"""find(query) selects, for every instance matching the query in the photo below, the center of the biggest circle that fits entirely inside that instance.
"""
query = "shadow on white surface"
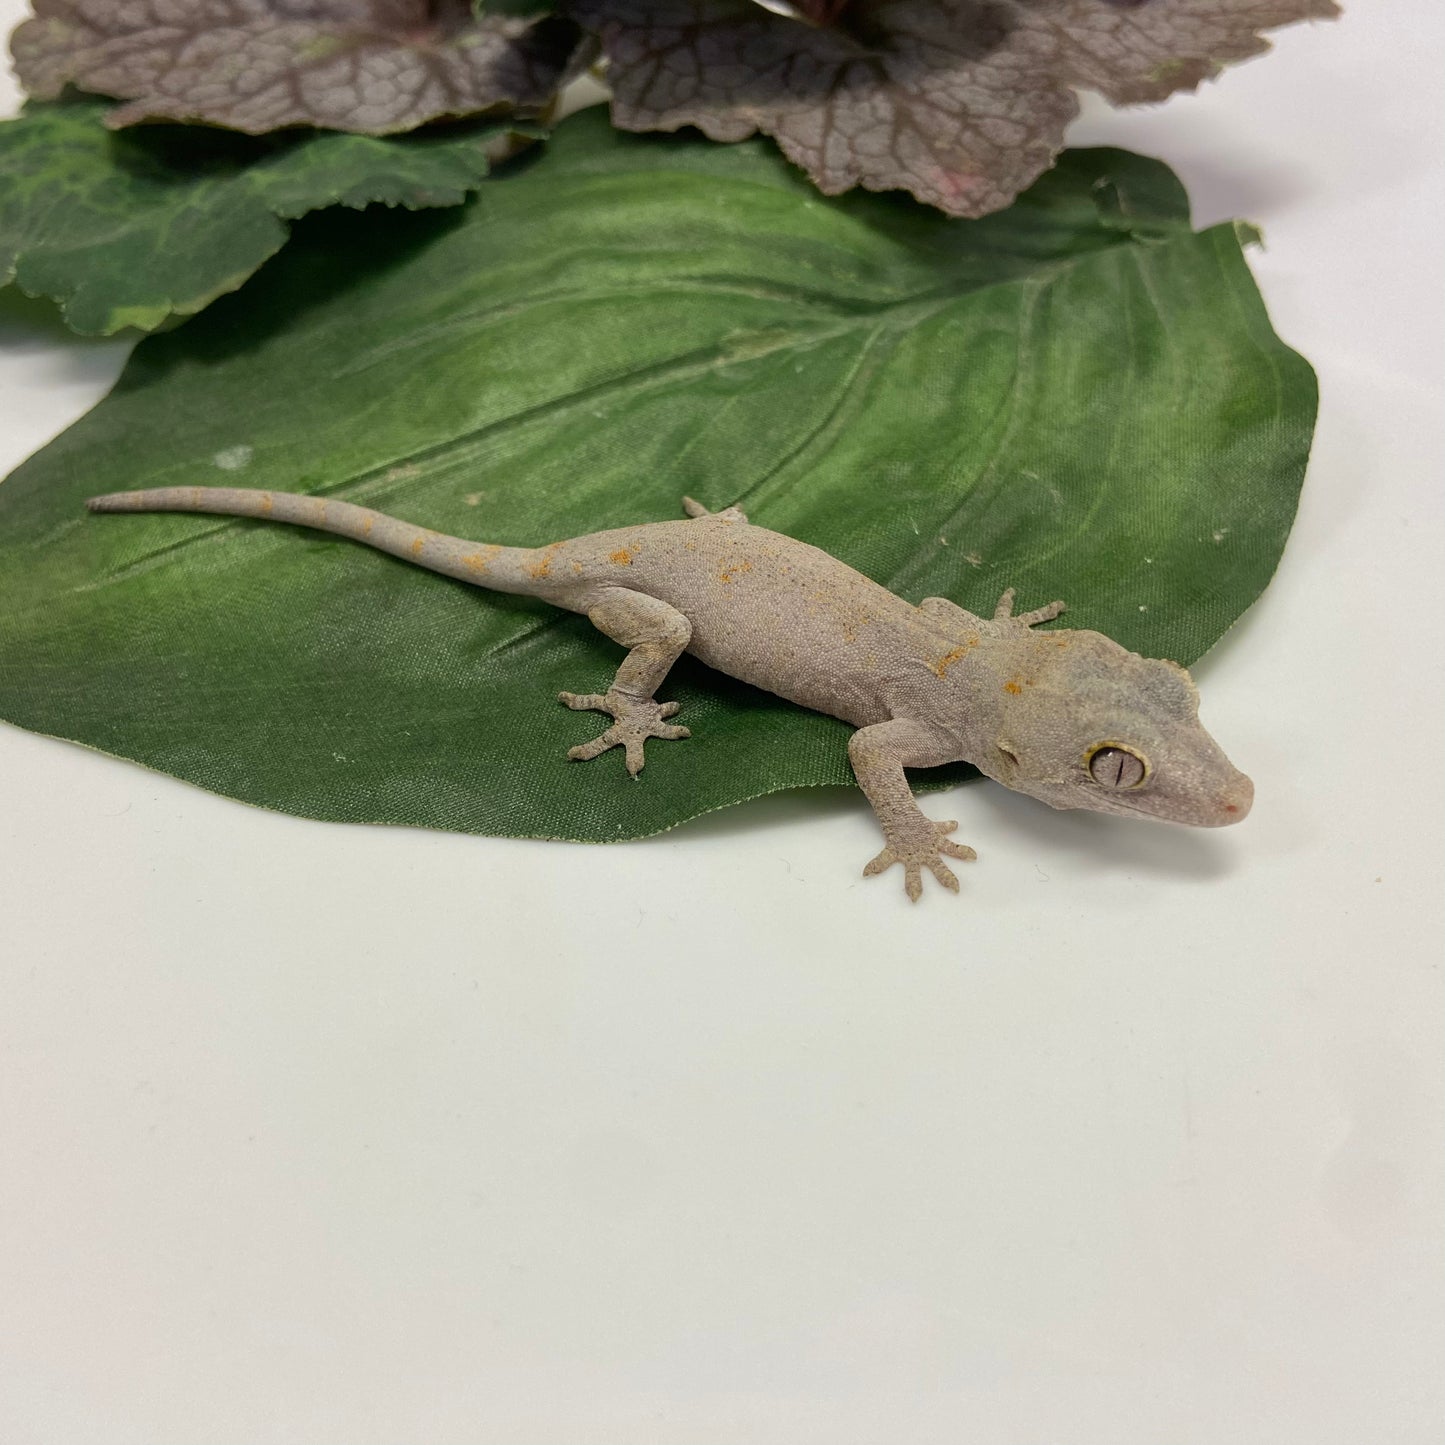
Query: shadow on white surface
(775, 810)
(1095, 845)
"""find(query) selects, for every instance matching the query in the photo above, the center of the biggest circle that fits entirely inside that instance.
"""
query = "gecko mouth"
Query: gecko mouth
(1231, 805)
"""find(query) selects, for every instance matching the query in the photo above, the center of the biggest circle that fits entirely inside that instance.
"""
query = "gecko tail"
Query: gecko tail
(487, 564)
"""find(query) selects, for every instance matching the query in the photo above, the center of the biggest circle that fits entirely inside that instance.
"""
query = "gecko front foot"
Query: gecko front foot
(919, 847)
(636, 721)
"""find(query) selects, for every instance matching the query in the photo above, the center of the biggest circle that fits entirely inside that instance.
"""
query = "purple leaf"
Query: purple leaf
(373, 66)
(961, 102)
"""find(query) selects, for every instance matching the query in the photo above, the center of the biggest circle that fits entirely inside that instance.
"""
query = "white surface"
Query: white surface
(324, 1134)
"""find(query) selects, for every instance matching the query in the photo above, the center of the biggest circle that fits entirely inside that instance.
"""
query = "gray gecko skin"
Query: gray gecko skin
(1068, 717)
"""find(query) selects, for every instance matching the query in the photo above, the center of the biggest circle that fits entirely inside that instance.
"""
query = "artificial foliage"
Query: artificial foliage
(130, 229)
(1077, 396)
(960, 102)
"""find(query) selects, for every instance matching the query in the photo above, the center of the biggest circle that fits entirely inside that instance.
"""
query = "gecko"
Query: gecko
(1066, 716)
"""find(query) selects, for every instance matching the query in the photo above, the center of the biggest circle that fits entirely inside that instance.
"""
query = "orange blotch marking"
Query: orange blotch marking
(1012, 687)
(417, 543)
(953, 655)
(621, 556)
(477, 561)
(1234, 808)
(367, 525)
(542, 567)
(267, 502)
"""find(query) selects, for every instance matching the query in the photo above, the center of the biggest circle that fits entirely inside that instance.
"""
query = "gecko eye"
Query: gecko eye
(1114, 766)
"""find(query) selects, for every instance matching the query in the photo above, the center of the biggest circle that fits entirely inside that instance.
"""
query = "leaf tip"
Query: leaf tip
(1248, 234)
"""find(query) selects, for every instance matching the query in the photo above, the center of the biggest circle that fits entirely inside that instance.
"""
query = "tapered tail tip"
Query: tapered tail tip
(111, 502)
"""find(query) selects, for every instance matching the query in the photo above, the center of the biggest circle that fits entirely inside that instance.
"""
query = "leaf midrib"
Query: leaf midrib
(891, 315)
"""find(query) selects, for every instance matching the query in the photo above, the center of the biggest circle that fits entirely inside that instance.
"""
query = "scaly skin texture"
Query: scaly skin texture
(1068, 717)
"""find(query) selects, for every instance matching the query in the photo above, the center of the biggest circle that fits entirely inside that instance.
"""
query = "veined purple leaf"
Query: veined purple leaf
(370, 66)
(961, 102)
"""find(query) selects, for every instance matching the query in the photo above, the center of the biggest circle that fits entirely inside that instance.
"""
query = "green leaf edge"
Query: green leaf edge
(358, 196)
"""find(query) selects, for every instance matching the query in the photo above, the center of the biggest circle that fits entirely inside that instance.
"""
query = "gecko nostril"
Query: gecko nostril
(1240, 798)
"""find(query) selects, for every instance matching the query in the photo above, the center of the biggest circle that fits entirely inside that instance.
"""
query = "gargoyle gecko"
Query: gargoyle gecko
(1068, 717)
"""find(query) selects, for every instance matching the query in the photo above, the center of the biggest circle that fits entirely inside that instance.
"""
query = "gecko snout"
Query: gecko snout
(1235, 801)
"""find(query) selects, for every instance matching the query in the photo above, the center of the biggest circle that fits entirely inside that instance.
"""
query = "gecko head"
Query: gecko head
(1084, 723)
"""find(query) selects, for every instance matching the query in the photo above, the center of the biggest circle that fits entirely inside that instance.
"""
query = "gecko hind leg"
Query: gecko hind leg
(655, 635)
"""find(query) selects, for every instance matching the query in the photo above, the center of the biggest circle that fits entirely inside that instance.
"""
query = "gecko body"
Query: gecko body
(1066, 716)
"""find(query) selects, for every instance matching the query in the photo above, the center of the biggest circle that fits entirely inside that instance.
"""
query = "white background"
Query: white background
(326, 1134)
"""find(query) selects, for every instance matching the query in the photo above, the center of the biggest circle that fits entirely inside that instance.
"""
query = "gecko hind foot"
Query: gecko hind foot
(635, 722)
(924, 851)
(696, 509)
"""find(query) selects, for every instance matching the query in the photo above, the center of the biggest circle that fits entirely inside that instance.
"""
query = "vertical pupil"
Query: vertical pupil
(1116, 768)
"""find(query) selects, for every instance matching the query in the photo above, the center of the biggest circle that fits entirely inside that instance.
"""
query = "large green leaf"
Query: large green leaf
(129, 229)
(1078, 397)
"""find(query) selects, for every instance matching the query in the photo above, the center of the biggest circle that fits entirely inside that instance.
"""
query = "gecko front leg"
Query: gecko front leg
(879, 754)
(655, 635)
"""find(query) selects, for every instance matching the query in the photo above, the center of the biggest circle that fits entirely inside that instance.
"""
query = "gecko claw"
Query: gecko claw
(635, 722)
(924, 852)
